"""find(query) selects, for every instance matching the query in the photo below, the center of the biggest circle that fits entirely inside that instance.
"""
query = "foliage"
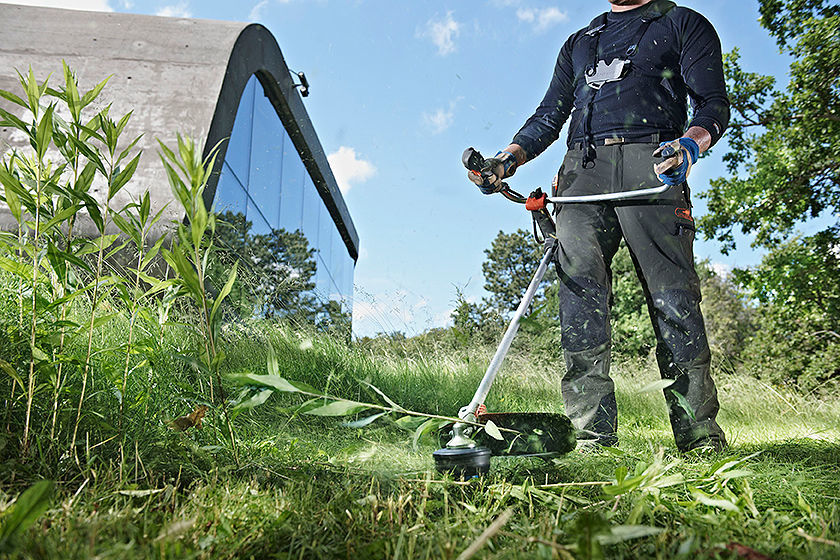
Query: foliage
(799, 317)
(512, 260)
(784, 145)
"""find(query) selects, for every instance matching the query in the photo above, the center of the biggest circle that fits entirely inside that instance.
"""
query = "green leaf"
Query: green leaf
(683, 403)
(15, 267)
(658, 385)
(364, 421)
(707, 500)
(255, 400)
(273, 381)
(9, 96)
(429, 425)
(123, 177)
(10, 371)
(224, 293)
(621, 533)
(493, 430)
(339, 408)
(26, 510)
(88, 97)
(44, 135)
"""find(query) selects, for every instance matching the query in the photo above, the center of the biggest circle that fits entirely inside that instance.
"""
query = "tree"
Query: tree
(512, 260)
(784, 155)
(784, 163)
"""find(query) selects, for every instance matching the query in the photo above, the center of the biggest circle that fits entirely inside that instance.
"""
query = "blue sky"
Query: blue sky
(399, 89)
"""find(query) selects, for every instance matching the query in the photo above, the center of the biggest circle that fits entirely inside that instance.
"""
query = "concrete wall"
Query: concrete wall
(177, 75)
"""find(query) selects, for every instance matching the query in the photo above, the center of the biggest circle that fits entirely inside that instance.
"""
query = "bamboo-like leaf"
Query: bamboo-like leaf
(123, 177)
(9, 96)
(364, 421)
(224, 293)
(12, 120)
(10, 371)
(43, 137)
(127, 228)
(339, 408)
(26, 510)
(127, 150)
(71, 96)
(30, 87)
(60, 218)
(11, 197)
(272, 381)
(255, 400)
(91, 95)
(383, 395)
(15, 267)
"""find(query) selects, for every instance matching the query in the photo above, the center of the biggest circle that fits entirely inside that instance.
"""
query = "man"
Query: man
(625, 80)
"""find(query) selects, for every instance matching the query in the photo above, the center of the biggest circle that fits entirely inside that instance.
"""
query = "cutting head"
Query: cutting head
(540, 434)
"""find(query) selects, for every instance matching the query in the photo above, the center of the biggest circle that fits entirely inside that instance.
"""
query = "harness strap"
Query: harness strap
(596, 29)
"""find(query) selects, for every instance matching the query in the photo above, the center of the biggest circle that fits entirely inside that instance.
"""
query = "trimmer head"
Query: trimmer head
(541, 434)
(463, 462)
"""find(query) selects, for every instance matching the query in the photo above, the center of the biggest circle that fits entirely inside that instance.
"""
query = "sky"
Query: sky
(399, 89)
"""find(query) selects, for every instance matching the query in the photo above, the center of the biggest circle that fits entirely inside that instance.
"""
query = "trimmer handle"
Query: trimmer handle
(473, 160)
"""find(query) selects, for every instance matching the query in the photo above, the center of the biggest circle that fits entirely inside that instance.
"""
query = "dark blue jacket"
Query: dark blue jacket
(679, 57)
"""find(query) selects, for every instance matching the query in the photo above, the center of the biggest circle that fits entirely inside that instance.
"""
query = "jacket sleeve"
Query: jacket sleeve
(701, 66)
(543, 127)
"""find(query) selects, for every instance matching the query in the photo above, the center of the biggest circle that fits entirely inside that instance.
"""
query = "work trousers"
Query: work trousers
(659, 231)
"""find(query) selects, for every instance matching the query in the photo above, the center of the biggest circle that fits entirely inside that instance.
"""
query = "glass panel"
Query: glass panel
(266, 158)
(238, 154)
(311, 211)
(337, 258)
(230, 194)
(291, 191)
(258, 221)
(325, 233)
(322, 282)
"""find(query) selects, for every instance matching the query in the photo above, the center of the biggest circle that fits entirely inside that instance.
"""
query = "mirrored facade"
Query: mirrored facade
(273, 220)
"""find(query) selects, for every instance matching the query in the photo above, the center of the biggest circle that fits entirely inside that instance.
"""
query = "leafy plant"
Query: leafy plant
(188, 175)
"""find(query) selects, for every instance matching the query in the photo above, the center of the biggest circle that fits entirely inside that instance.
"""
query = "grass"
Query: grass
(309, 488)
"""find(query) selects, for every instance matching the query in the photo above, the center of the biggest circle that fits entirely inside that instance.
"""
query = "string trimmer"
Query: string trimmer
(524, 434)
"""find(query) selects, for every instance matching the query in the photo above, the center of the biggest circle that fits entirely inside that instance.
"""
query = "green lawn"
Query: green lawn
(307, 487)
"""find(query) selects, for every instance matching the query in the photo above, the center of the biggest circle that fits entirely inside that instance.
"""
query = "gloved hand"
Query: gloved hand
(494, 170)
(674, 169)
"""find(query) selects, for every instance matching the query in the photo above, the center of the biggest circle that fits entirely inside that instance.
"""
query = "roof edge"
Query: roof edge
(256, 52)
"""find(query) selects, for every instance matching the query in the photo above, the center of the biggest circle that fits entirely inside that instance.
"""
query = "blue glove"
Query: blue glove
(679, 156)
(494, 170)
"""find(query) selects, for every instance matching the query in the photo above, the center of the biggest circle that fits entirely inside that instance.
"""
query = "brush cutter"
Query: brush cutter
(524, 434)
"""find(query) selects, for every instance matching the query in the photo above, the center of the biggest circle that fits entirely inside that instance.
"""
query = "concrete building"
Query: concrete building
(219, 82)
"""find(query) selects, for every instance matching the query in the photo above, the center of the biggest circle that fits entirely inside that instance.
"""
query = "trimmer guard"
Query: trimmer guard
(542, 434)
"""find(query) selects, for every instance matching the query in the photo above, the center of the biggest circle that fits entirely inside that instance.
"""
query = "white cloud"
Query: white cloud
(90, 5)
(440, 120)
(179, 10)
(542, 19)
(256, 11)
(349, 169)
(442, 33)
